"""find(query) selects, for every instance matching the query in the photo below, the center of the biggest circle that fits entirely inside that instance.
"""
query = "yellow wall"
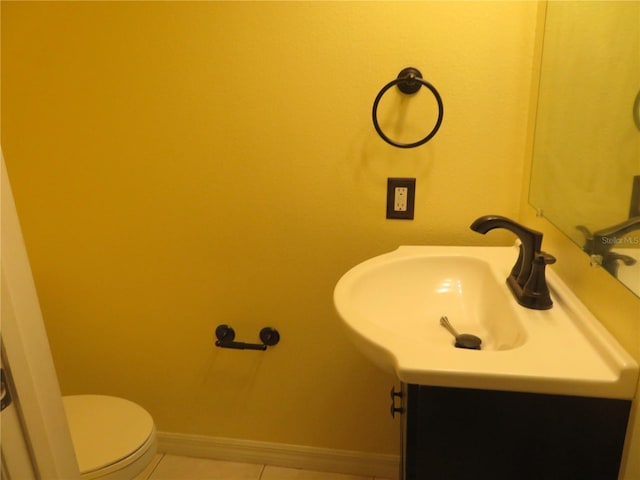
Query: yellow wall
(181, 165)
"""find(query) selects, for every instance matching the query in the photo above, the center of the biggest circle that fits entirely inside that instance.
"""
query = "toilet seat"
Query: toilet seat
(113, 438)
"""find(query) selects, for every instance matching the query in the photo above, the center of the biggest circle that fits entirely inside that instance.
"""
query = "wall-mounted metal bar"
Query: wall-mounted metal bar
(225, 339)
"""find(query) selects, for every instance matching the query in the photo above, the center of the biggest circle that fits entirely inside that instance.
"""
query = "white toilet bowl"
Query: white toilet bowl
(114, 438)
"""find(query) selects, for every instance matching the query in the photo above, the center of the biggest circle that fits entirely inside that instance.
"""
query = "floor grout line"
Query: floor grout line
(155, 465)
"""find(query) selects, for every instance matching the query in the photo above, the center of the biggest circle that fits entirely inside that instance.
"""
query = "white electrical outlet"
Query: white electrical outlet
(400, 199)
(401, 195)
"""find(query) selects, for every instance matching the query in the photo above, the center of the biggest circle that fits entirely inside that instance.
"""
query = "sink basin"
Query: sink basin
(391, 306)
(416, 291)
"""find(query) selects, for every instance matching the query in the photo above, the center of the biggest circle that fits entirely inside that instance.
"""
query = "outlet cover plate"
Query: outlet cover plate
(410, 185)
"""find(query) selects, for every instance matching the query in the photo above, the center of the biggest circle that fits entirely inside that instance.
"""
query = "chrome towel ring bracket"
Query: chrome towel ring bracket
(409, 81)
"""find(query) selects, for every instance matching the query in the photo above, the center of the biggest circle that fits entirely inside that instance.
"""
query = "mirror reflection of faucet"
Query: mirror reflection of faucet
(527, 278)
(599, 244)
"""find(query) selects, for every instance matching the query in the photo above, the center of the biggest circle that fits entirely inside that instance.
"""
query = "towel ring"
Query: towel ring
(409, 82)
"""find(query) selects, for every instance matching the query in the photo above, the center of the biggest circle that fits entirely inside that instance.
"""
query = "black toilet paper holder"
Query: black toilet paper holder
(225, 334)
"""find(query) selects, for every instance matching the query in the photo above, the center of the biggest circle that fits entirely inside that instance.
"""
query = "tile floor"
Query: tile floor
(172, 467)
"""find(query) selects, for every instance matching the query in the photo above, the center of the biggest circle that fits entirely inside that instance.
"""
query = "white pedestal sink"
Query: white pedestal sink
(391, 306)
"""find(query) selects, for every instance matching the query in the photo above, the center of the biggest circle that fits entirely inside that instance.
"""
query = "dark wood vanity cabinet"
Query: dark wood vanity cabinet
(466, 434)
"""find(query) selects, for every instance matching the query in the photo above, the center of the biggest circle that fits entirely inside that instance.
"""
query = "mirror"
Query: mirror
(585, 176)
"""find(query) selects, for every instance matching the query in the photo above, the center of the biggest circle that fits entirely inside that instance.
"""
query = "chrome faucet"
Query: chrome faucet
(527, 279)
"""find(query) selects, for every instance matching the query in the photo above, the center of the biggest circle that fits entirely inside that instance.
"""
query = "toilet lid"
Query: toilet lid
(105, 430)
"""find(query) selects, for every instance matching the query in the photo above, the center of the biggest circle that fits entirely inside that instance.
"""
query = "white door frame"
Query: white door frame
(27, 351)
(17, 462)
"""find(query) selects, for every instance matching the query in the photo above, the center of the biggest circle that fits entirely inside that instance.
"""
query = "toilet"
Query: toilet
(114, 438)
(108, 438)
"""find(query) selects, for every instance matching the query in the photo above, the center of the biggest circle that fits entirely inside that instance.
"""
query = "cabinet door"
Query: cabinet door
(464, 434)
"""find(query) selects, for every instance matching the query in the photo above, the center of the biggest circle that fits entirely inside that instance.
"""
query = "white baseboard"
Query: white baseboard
(285, 455)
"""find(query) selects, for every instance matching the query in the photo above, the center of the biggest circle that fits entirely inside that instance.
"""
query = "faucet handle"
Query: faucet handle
(535, 293)
(544, 258)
